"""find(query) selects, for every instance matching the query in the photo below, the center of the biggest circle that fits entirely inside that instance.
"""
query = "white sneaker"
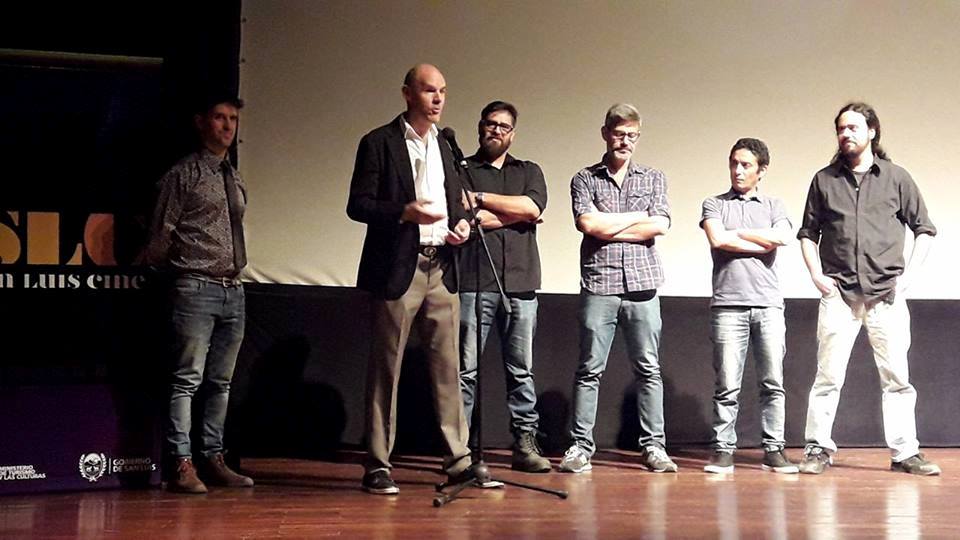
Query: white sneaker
(575, 460)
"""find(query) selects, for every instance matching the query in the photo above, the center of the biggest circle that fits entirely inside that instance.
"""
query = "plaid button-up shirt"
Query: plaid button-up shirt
(619, 267)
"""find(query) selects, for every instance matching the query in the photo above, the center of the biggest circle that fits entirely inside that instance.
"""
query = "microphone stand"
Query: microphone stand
(444, 497)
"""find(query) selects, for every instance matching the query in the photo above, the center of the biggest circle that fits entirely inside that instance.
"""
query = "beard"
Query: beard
(853, 150)
(494, 148)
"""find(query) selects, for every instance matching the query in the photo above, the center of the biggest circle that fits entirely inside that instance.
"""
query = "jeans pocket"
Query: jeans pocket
(186, 287)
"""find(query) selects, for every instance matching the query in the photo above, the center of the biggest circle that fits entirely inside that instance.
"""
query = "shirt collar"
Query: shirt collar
(632, 168)
(212, 160)
(734, 194)
(480, 161)
(411, 134)
(877, 168)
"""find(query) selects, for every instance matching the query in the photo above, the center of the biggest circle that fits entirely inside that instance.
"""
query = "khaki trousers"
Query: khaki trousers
(888, 327)
(436, 311)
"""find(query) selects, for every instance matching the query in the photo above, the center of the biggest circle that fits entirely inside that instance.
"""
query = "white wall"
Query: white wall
(318, 75)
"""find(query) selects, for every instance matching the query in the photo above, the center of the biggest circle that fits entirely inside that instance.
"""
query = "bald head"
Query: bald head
(425, 91)
(417, 71)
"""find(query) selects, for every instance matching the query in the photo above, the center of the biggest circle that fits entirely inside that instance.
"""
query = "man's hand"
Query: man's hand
(459, 233)
(421, 212)
(826, 285)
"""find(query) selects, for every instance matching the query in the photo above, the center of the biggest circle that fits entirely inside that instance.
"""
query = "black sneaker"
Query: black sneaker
(720, 463)
(916, 465)
(477, 473)
(379, 482)
(776, 461)
(816, 459)
(527, 456)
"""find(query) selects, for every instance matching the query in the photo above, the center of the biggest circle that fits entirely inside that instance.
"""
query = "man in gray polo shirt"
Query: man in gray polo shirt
(745, 229)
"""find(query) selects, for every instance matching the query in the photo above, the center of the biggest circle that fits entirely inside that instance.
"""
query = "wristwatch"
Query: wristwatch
(478, 197)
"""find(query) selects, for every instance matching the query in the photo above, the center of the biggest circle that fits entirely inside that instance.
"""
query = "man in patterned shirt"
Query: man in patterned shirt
(196, 238)
(620, 207)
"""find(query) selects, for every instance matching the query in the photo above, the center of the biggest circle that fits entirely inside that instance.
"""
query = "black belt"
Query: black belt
(432, 252)
(225, 282)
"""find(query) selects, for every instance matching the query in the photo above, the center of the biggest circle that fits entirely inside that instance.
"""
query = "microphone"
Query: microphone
(451, 137)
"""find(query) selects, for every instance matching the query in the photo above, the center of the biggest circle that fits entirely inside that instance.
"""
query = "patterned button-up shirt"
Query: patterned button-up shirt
(619, 267)
(190, 231)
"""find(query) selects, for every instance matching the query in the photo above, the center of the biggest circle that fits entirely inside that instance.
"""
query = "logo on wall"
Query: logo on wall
(95, 464)
(92, 466)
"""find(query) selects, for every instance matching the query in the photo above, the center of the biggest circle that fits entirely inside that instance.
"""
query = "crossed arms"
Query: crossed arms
(504, 210)
(622, 226)
(747, 240)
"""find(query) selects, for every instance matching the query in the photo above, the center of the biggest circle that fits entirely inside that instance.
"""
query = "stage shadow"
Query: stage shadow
(283, 415)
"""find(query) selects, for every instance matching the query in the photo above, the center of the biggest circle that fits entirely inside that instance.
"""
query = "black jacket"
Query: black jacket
(382, 184)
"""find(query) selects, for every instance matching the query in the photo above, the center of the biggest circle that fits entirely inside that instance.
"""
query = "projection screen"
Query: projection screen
(317, 75)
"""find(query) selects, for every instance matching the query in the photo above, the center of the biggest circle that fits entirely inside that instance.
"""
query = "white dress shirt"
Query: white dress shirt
(427, 166)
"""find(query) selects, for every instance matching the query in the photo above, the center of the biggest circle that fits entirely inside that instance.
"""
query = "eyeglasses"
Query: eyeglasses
(631, 136)
(490, 125)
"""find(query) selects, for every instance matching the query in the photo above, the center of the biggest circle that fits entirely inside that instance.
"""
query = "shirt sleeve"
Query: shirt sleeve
(810, 227)
(913, 211)
(778, 212)
(166, 215)
(710, 209)
(658, 204)
(580, 195)
(536, 187)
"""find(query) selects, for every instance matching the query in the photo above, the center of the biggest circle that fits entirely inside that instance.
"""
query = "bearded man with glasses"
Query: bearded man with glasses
(509, 194)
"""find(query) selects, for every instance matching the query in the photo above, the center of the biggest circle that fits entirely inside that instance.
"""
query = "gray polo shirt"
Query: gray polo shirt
(744, 279)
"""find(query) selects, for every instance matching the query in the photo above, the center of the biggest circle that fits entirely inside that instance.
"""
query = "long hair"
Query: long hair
(873, 122)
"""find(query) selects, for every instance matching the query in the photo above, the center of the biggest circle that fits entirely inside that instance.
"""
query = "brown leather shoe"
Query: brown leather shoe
(216, 473)
(186, 480)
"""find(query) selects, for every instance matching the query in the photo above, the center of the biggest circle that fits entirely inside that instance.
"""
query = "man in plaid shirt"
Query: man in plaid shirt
(620, 207)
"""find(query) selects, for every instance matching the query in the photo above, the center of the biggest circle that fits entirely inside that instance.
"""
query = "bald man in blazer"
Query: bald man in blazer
(406, 188)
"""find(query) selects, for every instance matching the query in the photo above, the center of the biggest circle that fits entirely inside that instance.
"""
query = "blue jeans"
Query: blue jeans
(207, 320)
(733, 330)
(516, 332)
(600, 315)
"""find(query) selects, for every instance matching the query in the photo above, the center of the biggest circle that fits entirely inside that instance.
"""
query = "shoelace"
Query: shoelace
(528, 443)
(658, 453)
(572, 451)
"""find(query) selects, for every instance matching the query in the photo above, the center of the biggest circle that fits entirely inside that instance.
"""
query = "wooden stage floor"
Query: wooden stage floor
(857, 498)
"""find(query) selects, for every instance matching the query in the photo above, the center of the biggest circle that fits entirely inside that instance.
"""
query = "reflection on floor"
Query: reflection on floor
(858, 497)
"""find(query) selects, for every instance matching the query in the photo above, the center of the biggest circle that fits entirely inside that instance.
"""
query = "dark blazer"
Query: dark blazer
(382, 184)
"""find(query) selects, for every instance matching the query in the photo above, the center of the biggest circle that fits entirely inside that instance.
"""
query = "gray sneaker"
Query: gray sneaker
(720, 463)
(916, 465)
(575, 460)
(776, 461)
(816, 459)
(656, 459)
